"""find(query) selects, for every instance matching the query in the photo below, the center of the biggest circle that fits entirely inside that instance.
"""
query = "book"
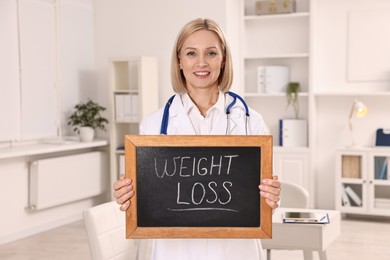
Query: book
(351, 166)
(119, 110)
(353, 196)
(381, 168)
(272, 79)
(306, 217)
(293, 132)
(122, 165)
(382, 137)
(134, 108)
(127, 107)
(345, 199)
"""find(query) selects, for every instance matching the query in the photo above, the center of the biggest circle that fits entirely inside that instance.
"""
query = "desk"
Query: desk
(306, 237)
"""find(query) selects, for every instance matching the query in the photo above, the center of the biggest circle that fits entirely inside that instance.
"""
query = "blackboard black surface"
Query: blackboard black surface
(198, 186)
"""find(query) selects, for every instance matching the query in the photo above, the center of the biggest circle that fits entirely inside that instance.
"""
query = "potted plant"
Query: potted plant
(293, 132)
(292, 93)
(86, 118)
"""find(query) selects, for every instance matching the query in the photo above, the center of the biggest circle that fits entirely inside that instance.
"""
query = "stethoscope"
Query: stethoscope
(164, 123)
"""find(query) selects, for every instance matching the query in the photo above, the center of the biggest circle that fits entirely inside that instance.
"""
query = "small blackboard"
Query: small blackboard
(198, 186)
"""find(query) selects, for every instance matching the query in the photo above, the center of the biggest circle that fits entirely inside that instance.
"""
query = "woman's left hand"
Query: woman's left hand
(270, 190)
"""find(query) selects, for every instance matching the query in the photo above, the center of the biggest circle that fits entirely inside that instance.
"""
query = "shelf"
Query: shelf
(381, 182)
(278, 56)
(276, 16)
(46, 147)
(120, 151)
(352, 94)
(293, 150)
(351, 180)
(265, 41)
(304, 94)
(380, 203)
(125, 91)
(136, 77)
(358, 150)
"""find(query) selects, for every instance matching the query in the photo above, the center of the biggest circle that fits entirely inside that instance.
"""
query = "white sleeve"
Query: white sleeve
(257, 124)
(151, 124)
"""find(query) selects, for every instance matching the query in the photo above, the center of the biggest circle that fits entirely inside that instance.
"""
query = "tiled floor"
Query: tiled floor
(359, 240)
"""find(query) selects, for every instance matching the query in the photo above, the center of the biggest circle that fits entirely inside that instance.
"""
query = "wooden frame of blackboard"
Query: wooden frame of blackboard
(133, 230)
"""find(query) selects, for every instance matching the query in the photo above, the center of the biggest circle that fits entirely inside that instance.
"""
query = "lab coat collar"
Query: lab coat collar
(182, 123)
(178, 117)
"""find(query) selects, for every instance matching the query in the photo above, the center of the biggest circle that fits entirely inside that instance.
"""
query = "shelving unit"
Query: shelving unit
(133, 95)
(363, 181)
(279, 40)
(276, 39)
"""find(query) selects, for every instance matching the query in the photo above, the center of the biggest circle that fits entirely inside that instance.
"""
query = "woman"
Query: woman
(201, 77)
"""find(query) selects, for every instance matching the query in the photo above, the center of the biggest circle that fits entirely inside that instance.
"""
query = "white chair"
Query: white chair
(292, 196)
(105, 225)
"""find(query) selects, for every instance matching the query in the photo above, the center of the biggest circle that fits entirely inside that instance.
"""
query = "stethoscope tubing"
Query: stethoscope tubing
(165, 118)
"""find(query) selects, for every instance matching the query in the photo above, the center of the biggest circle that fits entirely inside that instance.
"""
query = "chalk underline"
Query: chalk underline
(199, 209)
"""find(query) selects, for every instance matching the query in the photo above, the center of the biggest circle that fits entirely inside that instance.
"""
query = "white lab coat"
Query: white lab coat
(206, 249)
(179, 122)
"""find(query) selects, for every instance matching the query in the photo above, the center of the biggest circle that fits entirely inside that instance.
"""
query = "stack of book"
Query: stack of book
(382, 203)
(126, 107)
(293, 132)
(272, 79)
(381, 169)
(122, 165)
(350, 197)
(351, 166)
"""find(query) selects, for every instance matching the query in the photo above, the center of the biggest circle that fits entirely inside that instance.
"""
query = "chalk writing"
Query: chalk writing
(186, 166)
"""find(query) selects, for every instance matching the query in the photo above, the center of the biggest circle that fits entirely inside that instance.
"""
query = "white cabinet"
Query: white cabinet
(133, 95)
(363, 181)
(292, 166)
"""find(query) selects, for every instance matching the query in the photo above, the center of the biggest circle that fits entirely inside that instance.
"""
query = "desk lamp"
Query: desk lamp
(359, 110)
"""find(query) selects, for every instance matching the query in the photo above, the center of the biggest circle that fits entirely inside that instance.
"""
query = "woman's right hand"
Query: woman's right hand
(123, 191)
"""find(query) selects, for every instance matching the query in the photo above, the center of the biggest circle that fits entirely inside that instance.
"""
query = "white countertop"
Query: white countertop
(49, 146)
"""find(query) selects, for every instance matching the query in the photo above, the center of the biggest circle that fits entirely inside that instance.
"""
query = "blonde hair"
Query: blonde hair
(178, 80)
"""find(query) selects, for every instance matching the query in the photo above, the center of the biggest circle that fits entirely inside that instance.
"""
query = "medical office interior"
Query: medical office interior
(57, 53)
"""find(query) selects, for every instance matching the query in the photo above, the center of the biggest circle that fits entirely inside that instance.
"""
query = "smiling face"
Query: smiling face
(201, 60)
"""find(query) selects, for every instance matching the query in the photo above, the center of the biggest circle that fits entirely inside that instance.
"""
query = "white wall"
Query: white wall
(47, 65)
(134, 28)
(334, 37)
(77, 62)
(76, 73)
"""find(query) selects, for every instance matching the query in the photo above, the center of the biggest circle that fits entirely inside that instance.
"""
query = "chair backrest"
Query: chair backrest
(294, 196)
(105, 225)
